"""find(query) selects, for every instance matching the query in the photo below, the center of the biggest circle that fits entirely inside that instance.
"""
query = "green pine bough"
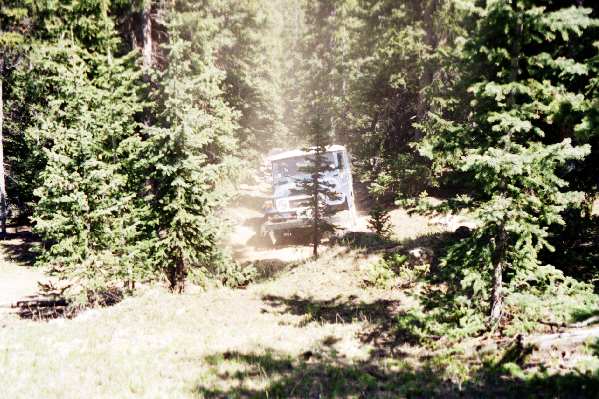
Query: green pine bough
(512, 149)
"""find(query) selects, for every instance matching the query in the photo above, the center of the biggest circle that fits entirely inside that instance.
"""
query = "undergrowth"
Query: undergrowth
(451, 302)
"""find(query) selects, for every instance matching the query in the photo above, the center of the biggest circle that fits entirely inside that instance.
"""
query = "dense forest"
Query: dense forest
(127, 126)
(128, 130)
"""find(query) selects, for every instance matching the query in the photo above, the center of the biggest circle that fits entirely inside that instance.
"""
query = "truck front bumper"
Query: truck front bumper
(285, 225)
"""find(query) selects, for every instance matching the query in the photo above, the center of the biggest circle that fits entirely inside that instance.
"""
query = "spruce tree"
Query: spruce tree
(84, 213)
(518, 71)
(245, 54)
(13, 25)
(189, 148)
(380, 221)
(315, 186)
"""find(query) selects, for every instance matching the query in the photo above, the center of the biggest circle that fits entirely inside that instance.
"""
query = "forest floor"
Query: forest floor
(18, 278)
(306, 329)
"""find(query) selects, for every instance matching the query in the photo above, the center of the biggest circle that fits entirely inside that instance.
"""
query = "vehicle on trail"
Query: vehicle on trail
(288, 213)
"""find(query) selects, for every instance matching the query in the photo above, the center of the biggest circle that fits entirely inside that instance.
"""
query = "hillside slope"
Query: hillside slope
(308, 329)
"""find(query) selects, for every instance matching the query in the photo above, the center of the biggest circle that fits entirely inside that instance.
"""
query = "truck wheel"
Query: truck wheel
(276, 238)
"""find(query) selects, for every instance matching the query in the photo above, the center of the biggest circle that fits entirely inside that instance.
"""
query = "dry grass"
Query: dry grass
(160, 345)
(309, 329)
(314, 331)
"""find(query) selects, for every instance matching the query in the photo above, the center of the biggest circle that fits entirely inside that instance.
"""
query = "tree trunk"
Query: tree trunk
(497, 295)
(316, 216)
(428, 16)
(2, 172)
(146, 21)
(177, 276)
(498, 266)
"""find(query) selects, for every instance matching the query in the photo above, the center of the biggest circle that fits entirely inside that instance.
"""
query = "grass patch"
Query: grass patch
(309, 330)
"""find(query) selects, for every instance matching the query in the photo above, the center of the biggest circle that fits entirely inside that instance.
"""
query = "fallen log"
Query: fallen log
(584, 323)
(580, 324)
(569, 337)
(538, 342)
(41, 303)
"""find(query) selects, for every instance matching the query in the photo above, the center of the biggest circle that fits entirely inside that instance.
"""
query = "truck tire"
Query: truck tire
(276, 238)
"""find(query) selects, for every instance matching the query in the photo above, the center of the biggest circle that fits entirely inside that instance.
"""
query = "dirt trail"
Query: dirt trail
(245, 217)
(18, 279)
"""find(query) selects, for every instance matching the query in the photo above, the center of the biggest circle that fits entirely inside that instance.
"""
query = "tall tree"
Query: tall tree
(74, 105)
(84, 212)
(190, 146)
(13, 23)
(397, 51)
(246, 54)
(514, 142)
(315, 185)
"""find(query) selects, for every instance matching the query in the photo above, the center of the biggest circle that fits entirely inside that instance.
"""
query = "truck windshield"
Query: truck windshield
(293, 167)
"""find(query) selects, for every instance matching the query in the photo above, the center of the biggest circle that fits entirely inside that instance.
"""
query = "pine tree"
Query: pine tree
(189, 148)
(380, 221)
(289, 30)
(85, 214)
(318, 75)
(388, 66)
(89, 25)
(13, 24)
(518, 72)
(245, 55)
(315, 186)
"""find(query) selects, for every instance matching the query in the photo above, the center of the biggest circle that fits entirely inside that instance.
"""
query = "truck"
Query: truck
(287, 213)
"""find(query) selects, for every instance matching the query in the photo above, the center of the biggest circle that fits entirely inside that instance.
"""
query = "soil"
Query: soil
(18, 277)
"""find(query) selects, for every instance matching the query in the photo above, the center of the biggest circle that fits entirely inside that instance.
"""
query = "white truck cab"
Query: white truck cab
(287, 210)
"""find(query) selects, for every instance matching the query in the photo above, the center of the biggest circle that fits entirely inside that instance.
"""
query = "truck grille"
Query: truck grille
(282, 217)
(299, 203)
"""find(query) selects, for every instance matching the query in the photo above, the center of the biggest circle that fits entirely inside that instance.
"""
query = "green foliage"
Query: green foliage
(246, 55)
(188, 151)
(393, 270)
(114, 203)
(317, 189)
(402, 176)
(233, 275)
(84, 211)
(380, 221)
(381, 275)
(506, 96)
(391, 67)
(509, 147)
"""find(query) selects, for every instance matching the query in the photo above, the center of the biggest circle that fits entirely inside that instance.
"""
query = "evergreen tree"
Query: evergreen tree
(518, 71)
(46, 24)
(319, 74)
(245, 54)
(189, 148)
(389, 66)
(380, 221)
(315, 186)
(85, 212)
(13, 25)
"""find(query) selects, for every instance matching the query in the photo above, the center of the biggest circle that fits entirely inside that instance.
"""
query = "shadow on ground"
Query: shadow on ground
(325, 375)
(20, 246)
(382, 331)
(392, 369)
